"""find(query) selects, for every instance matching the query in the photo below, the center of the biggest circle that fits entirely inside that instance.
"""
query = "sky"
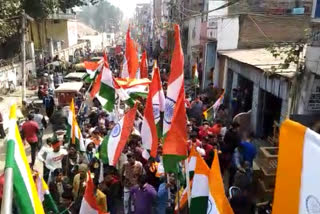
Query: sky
(127, 6)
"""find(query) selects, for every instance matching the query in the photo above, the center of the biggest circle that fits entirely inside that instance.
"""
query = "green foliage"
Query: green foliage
(288, 52)
(37, 9)
(102, 16)
(8, 26)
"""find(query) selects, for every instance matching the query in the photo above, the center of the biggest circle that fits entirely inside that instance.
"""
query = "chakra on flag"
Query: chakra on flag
(156, 111)
(169, 110)
(116, 130)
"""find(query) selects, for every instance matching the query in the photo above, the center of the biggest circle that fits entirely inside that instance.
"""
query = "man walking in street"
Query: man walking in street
(42, 124)
(30, 131)
(48, 103)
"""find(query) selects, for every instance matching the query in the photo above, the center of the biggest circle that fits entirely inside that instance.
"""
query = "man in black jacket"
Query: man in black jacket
(231, 141)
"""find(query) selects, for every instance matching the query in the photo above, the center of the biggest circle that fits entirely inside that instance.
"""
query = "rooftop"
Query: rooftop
(69, 87)
(262, 59)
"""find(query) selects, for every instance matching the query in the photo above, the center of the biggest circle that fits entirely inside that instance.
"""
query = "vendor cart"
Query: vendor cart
(66, 91)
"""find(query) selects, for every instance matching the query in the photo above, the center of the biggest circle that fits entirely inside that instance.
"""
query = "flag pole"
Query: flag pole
(6, 206)
(186, 164)
(178, 188)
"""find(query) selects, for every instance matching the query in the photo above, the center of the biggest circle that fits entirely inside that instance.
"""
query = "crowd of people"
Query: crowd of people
(136, 185)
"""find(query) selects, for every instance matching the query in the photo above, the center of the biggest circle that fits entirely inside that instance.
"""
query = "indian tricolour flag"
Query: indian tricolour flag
(192, 160)
(189, 167)
(26, 197)
(98, 75)
(45, 196)
(200, 190)
(150, 129)
(74, 134)
(134, 87)
(175, 120)
(218, 202)
(113, 144)
(92, 69)
(107, 90)
(89, 203)
(297, 179)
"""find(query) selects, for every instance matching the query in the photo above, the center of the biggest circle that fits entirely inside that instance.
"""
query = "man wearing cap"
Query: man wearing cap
(54, 158)
(30, 131)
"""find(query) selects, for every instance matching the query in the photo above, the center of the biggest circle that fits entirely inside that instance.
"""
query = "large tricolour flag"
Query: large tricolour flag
(25, 195)
(89, 203)
(297, 179)
(151, 118)
(175, 121)
(218, 202)
(131, 61)
(200, 190)
(113, 144)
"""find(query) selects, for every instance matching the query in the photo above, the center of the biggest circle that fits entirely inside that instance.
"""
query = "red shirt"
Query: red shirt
(30, 129)
(203, 133)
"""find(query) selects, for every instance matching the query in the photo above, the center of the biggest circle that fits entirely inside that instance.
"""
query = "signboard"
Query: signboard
(314, 100)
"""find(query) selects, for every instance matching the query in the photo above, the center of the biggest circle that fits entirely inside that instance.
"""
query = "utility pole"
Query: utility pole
(23, 54)
(24, 16)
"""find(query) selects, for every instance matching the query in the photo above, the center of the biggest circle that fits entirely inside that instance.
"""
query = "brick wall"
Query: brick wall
(276, 28)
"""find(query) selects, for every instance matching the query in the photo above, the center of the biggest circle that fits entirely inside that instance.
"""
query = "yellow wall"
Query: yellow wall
(48, 29)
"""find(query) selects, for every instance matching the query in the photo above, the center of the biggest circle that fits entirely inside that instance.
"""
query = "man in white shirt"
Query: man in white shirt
(42, 156)
(54, 158)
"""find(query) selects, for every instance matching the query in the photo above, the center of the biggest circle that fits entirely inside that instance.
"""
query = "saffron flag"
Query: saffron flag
(175, 121)
(144, 65)
(74, 134)
(131, 61)
(25, 192)
(200, 190)
(297, 177)
(218, 202)
(98, 75)
(113, 144)
(89, 203)
(151, 119)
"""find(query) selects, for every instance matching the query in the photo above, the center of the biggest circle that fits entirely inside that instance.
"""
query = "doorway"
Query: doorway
(270, 111)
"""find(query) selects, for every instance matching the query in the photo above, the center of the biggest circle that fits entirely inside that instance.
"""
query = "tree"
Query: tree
(9, 10)
(102, 16)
